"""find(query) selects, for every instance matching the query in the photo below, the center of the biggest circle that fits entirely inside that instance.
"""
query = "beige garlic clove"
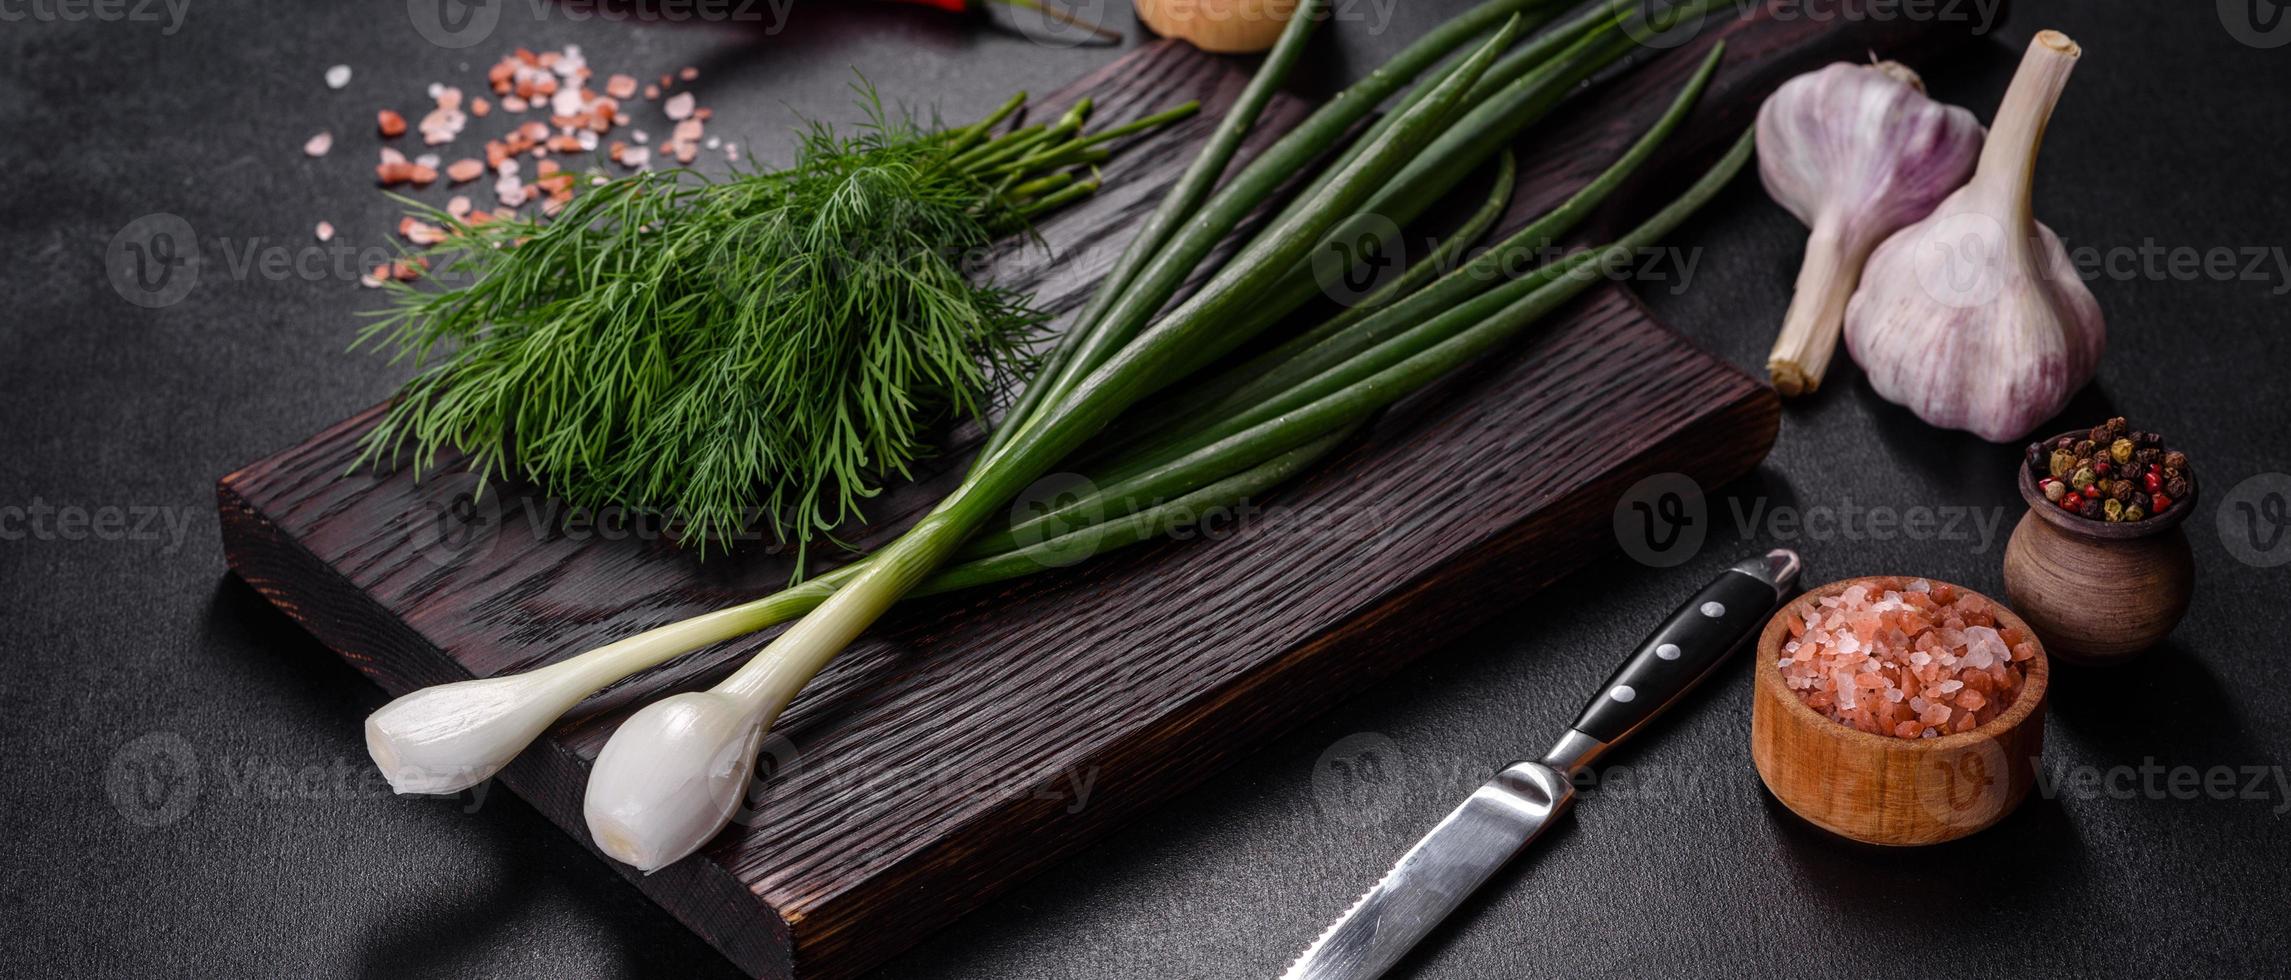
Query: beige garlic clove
(1856, 152)
(1220, 26)
(1974, 317)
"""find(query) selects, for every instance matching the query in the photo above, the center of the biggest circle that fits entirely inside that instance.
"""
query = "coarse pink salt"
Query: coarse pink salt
(1926, 661)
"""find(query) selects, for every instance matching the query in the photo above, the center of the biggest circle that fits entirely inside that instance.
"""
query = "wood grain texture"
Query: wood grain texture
(1896, 792)
(971, 739)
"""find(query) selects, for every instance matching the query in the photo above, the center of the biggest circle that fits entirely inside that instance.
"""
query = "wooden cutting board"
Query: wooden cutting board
(973, 739)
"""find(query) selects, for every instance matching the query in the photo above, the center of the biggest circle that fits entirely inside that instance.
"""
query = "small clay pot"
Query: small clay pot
(1898, 792)
(2097, 592)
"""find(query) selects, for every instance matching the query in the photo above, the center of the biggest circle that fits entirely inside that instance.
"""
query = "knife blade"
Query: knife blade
(1503, 816)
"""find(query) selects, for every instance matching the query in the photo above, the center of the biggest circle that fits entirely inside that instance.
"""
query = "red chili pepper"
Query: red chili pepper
(2163, 503)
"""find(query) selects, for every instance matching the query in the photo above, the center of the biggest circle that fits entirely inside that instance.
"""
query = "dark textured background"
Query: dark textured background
(284, 857)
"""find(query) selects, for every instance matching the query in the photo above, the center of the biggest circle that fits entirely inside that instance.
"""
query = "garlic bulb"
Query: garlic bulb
(1974, 317)
(1219, 26)
(1856, 152)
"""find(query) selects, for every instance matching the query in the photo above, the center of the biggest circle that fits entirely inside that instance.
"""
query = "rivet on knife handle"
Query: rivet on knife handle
(1701, 634)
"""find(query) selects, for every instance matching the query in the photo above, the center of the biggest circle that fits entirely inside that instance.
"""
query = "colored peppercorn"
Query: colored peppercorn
(2110, 472)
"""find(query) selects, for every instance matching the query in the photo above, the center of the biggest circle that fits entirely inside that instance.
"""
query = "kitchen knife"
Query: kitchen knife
(1500, 818)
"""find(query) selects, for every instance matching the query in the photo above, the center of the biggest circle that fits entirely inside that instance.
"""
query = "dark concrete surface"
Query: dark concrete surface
(185, 792)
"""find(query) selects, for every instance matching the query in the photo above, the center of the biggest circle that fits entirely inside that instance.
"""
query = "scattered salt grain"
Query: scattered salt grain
(337, 77)
(679, 106)
(318, 145)
(325, 231)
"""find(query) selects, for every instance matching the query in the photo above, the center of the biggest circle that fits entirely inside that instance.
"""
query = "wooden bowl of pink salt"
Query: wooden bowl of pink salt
(1897, 710)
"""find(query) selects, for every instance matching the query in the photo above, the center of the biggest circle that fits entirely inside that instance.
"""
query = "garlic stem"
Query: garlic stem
(1975, 318)
(1856, 152)
(1810, 329)
(2008, 160)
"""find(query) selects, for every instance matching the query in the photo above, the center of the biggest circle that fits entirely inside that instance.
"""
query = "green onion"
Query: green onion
(674, 772)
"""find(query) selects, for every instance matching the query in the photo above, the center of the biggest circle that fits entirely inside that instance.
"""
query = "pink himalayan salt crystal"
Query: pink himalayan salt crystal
(1927, 661)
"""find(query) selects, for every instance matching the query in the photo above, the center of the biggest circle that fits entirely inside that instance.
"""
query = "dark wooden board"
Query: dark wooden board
(935, 763)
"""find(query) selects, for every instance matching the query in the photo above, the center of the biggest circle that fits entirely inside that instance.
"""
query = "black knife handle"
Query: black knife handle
(1678, 654)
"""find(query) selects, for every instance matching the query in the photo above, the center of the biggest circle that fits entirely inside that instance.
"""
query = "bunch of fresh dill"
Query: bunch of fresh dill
(756, 353)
